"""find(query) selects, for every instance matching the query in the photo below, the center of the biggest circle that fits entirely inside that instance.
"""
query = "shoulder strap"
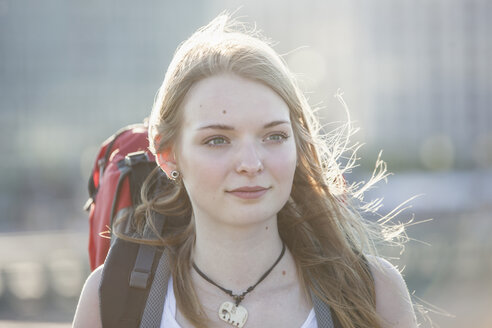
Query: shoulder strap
(152, 314)
(120, 304)
(125, 285)
(144, 268)
(323, 313)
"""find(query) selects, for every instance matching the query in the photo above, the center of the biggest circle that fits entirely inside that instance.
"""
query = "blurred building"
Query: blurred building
(435, 59)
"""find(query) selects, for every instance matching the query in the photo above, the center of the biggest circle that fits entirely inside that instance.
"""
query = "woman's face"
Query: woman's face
(236, 151)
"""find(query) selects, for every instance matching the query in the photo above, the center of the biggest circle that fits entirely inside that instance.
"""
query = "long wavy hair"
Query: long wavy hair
(321, 226)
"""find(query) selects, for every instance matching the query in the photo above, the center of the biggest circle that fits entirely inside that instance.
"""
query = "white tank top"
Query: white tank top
(169, 313)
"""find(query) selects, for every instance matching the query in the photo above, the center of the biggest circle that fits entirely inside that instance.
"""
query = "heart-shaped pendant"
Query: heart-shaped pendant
(232, 314)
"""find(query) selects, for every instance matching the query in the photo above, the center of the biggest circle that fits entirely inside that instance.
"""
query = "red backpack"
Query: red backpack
(121, 166)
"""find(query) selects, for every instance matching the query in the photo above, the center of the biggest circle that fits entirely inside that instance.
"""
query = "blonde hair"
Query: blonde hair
(324, 232)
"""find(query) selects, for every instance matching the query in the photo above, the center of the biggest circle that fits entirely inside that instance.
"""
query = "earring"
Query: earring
(174, 174)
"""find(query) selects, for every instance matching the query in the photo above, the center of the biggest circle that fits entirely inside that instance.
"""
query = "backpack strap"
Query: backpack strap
(152, 313)
(126, 280)
(120, 304)
(144, 267)
(323, 313)
(324, 316)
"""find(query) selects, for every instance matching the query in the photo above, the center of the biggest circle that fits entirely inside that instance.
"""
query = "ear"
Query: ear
(166, 161)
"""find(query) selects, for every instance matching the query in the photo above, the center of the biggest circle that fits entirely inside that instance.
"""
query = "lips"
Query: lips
(247, 192)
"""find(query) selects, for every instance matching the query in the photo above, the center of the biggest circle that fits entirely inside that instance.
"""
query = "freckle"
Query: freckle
(283, 273)
(224, 111)
(266, 228)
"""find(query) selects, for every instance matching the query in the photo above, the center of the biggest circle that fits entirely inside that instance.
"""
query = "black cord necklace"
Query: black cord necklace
(236, 314)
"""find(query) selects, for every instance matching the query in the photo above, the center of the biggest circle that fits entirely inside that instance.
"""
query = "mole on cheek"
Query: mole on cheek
(283, 273)
(266, 228)
(224, 112)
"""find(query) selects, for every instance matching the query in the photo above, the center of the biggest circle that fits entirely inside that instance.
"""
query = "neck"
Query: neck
(236, 257)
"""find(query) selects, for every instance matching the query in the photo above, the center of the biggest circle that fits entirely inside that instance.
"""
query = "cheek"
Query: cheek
(201, 170)
(283, 164)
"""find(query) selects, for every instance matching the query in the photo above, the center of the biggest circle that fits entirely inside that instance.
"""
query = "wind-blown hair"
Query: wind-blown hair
(325, 233)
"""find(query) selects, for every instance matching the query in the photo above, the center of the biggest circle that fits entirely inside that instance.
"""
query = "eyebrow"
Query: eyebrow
(228, 127)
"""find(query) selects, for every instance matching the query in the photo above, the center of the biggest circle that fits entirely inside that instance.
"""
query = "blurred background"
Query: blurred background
(416, 75)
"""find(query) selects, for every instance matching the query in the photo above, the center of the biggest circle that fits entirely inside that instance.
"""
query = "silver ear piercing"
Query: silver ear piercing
(174, 174)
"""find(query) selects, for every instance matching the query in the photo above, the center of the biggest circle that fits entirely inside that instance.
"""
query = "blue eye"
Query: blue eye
(216, 141)
(277, 137)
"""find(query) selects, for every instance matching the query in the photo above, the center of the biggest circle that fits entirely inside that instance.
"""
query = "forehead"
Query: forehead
(231, 99)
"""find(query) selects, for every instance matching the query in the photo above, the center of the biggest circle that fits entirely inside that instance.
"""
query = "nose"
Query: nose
(249, 160)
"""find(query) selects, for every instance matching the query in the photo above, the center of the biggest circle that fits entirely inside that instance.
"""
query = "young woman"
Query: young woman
(271, 224)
